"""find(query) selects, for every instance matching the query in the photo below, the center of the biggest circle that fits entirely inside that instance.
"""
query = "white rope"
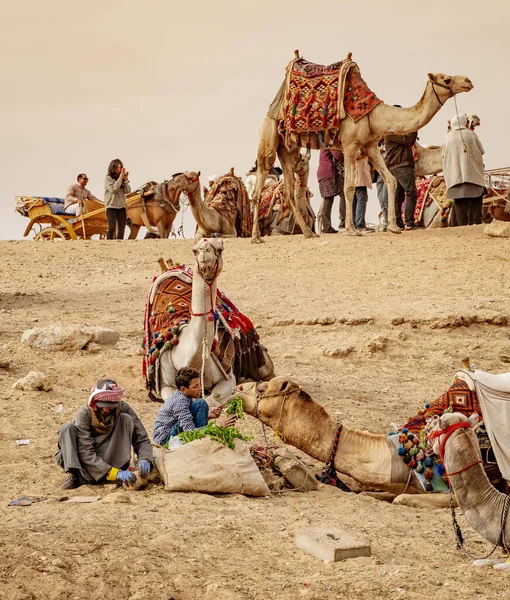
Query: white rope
(205, 349)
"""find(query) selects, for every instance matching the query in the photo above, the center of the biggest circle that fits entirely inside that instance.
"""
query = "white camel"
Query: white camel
(196, 338)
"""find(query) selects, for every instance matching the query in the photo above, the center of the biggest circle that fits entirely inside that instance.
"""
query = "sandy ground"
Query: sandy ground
(191, 546)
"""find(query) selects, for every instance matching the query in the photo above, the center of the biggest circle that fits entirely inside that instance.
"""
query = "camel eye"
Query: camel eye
(447, 80)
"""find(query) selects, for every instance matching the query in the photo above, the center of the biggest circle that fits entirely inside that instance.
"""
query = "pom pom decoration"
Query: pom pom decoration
(429, 487)
(428, 462)
(405, 430)
(174, 341)
(401, 451)
(420, 468)
(175, 330)
(440, 470)
(407, 459)
(429, 474)
(412, 463)
(402, 438)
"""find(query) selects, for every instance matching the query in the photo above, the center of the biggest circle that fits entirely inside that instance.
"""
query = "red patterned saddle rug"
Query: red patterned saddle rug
(229, 197)
(273, 199)
(318, 97)
(168, 311)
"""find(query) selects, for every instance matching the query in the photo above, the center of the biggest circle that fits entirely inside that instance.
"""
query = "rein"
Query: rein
(329, 475)
(434, 83)
(501, 541)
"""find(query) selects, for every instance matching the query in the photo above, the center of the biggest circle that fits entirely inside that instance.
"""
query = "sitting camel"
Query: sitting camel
(485, 509)
(196, 338)
(371, 459)
(225, 211)
(154, 206)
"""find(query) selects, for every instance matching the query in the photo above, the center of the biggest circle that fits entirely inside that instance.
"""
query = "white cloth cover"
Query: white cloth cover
(494, 396)
(208, 466)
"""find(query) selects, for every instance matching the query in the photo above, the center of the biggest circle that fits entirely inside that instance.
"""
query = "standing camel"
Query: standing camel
(155, 207)
(365, 133)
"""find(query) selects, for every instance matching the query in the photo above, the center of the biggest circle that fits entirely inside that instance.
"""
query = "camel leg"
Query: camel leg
(266, 155)
(430, 501)
(133, 231)
(288, 160)
(349, 187)
(378, 162)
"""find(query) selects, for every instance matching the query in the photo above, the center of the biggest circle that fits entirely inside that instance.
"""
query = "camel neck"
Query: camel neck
(198, 207)
(203, 300)
(399, 121)
(481, 504)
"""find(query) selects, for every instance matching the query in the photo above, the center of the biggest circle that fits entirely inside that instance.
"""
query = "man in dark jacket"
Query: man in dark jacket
(400, 161)
(96, 446)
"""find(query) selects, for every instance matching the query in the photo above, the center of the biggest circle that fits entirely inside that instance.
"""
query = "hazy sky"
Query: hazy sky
(173, 86)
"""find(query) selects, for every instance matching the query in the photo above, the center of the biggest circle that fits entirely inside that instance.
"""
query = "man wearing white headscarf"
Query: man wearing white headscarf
(463, 172)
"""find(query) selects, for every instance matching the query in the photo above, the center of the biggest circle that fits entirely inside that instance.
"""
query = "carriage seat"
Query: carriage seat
(57, 206)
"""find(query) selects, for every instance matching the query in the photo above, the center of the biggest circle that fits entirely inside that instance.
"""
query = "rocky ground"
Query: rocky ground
(372, 327)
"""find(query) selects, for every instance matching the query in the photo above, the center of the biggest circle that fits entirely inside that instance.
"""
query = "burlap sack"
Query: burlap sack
(208, 466)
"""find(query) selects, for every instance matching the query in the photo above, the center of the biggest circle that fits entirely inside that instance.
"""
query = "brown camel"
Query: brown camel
(482, 505)
(155, 207)
(227, 194)
(368, 458)
(365, 133)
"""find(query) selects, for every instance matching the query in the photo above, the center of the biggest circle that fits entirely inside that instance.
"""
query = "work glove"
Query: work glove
(144, 467)
(126, 477)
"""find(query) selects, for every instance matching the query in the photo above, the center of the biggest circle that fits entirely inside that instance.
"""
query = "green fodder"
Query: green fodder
(235, 407)
(223, 435)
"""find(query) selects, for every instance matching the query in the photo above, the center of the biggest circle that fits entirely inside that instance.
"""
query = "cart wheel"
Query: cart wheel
(50, 233)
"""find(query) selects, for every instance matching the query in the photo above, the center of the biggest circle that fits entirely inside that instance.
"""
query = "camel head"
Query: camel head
(446, 86)
(438, 428)
(187, 182)
(208, 258)
(267, 399)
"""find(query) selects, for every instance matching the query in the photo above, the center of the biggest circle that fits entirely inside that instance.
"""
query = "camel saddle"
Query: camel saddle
(315, 98)
(229, 197)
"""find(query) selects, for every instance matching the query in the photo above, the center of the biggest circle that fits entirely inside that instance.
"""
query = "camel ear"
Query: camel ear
(198, 174)
(473, 419)
(432, 77)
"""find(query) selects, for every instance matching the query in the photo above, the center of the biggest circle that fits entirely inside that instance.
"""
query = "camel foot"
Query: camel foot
(353, 232)
(431, 501)
(310, 235)
(489, 562)
(394, 229)
(257, 240)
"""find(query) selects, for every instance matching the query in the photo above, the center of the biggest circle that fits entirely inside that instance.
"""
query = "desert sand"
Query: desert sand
(427, 297)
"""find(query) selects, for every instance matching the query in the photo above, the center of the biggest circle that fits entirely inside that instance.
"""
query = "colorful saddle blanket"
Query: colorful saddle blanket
(168, 311)
(318, 97)
(273, 200)
(229, 197)
(411, 442)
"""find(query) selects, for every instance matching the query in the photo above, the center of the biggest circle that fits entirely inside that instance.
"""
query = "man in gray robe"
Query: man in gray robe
(96, 446)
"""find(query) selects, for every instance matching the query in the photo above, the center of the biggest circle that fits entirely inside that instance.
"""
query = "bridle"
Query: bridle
(329, 475)
(209, 283)
(501, 541)
(192, 180)
(441, 85)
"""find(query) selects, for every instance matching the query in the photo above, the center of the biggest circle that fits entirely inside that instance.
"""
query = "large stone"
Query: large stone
(331, 544)
(498, 229)
(102, 335)
(68, 337)
(35, 381)
(295, 472)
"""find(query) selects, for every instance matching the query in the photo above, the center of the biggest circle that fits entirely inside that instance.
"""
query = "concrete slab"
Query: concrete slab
(296, 473)
(331, 544)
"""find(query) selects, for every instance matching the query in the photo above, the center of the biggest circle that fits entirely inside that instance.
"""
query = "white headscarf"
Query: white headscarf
(459, 122)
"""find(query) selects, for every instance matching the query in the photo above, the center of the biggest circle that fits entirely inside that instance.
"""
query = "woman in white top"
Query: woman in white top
(251, 180)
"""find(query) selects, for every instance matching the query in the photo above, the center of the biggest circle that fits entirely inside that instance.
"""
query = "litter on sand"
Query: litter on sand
(25, 501)
(81, 499)
(22, 442)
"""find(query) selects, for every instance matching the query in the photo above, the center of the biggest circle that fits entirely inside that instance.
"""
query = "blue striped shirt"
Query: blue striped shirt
(175, 410)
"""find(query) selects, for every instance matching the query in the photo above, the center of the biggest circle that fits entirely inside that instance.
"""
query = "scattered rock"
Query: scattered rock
(68, 337)
(5, 364)
(331, 544)
(402, 335)
(117, 498)
(93, 348)
(274, 483)
(35, 381)
(296, 474)
(378, 344)
(358, 321)
(338, 352)
(283, 323)
(397, 321)
(289, 356)
(498, 229)
(505, 358)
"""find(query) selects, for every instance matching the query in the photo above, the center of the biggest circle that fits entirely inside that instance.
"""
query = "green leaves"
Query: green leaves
(235, 407)
(223, 435)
